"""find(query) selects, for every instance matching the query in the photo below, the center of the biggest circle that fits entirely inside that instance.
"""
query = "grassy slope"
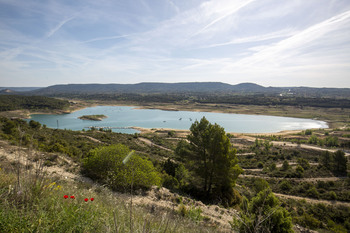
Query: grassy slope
(38, 204)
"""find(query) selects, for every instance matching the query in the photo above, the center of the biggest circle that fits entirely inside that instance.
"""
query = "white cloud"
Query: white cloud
(218, 40)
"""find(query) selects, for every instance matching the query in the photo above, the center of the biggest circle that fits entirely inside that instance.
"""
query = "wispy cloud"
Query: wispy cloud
(269, 42)
(58, 26)
(298, 43)
(223, 10)
(105, 38)
(258, 38)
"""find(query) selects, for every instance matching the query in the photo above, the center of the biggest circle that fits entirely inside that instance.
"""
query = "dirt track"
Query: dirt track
(150, 143)
(311, 200)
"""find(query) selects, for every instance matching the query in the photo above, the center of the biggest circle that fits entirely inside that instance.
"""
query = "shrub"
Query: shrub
(312, 192)
(285, 185)
(106, 164)
(332, 195)
(299, 171)
(285, 165)
(263, 214)
(308, 132)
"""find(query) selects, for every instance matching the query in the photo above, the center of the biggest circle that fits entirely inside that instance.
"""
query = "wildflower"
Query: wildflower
(86, 199)
(92, 199)
(72, 197)
(65, 196)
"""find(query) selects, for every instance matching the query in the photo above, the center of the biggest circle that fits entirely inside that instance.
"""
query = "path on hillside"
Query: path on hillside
(293, 145)
(150, 143)
(305, 146)
(312, 200)
(313, 179)
(92, 139)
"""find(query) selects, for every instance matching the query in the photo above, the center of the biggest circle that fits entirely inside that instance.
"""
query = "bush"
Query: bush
(285, 185)
(332, 195)
(308, 132)
(106, 164)
(299, 171)
(263, 214)
(312, 192)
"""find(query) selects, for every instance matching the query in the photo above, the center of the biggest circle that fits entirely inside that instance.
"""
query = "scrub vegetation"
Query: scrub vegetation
(267, 183)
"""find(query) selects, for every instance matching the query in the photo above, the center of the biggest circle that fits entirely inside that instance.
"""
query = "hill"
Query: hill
(191, 87)
(18, 89)
(15, 102)
(216, 88)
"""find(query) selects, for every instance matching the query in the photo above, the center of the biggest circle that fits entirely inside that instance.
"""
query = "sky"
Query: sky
(268, 42)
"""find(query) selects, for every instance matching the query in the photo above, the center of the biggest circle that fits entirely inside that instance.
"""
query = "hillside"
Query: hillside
(216, 88)
(194, 87)
(18, 89)
(15, 102)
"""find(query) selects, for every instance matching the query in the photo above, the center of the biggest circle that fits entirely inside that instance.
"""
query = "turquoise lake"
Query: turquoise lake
(124, 116)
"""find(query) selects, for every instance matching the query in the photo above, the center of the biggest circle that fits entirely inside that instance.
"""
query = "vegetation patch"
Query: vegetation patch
(93, 117)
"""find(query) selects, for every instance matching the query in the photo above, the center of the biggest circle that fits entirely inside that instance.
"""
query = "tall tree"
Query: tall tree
(340, 162)
(216, 158)
(199, 141)
(326, 159)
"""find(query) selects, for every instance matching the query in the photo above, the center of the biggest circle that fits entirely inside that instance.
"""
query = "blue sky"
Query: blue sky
(268, 42)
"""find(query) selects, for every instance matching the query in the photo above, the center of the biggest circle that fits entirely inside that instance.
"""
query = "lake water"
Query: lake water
(123, 116)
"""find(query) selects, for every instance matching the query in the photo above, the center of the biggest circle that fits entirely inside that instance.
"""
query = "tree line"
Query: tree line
(218, 98)
(16, 102)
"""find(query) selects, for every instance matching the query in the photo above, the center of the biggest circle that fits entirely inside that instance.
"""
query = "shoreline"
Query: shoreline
(236, 134)
(79, 105)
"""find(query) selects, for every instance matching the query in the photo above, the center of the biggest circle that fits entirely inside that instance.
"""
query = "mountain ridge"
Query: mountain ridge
(181, 88)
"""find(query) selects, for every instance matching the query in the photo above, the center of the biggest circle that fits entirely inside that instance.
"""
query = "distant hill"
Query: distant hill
(17, 89)
(215, 88)
(147, 88)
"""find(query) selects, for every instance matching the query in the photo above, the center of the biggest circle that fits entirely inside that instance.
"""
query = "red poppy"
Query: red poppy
(86, 199)
(72, 197)
(92, 199)
(65, 196)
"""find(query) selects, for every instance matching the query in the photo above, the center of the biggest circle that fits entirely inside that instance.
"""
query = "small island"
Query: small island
(92, 117)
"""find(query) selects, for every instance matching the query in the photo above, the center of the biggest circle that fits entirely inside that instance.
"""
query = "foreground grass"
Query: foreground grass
(39, 205)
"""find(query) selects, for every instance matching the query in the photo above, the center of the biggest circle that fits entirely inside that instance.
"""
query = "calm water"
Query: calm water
(121, 116)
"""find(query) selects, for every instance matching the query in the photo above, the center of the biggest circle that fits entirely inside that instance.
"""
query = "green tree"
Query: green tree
(260, 184)
(340, 161)
(272, 167)
(326, 159)
(9, 127)
(285, 165)
(331, 141)
(299, 171)
(263, 214)
(181, 174)
(267, 147)
(106, 165)
(313, 140)
(304, 163)
(308, 132)
(217, 161)
(285, 185)
(34, 124)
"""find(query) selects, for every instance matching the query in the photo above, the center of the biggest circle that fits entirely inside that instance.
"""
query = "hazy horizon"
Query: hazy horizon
(271, 43)
(162, 82)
